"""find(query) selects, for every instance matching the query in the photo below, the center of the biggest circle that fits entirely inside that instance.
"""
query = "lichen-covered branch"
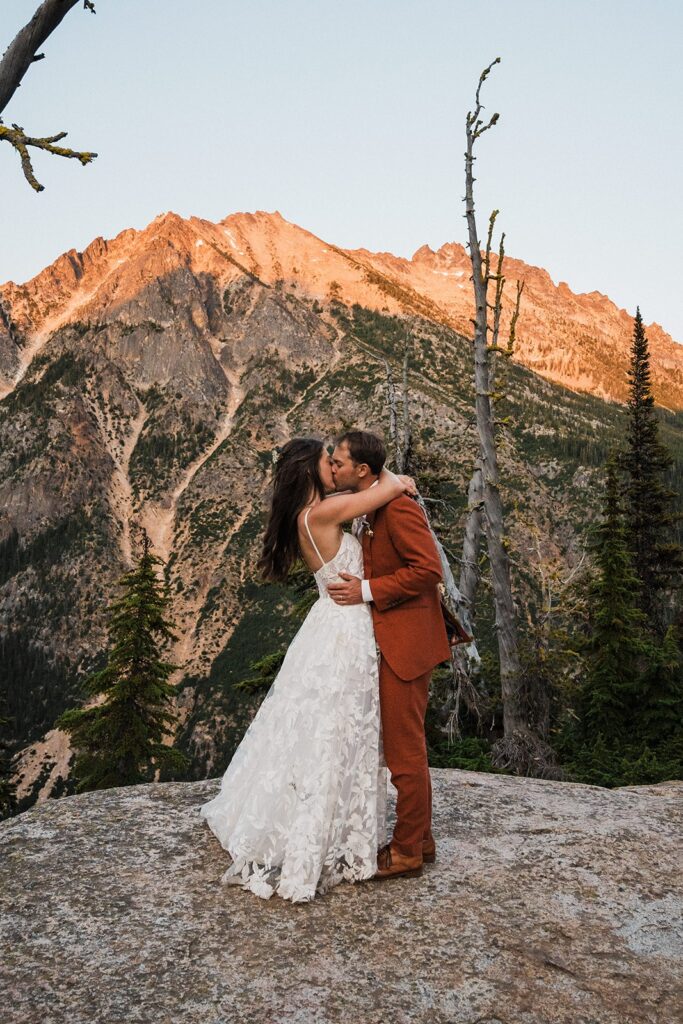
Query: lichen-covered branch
(20, 141)
(475, 126)
(489, 239)
(16, 60)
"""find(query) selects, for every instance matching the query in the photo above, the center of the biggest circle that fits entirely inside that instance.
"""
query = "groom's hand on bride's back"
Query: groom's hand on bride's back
(348, 592)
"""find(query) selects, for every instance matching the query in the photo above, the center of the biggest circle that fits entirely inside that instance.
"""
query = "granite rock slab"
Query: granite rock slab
(549, 903)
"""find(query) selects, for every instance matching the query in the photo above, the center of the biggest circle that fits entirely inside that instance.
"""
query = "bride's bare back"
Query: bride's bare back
(327, 536)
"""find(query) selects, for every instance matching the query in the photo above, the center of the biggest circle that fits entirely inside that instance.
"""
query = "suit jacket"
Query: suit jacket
(403, 566)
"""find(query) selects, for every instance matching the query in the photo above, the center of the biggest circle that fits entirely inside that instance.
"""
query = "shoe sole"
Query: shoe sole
(409, 873)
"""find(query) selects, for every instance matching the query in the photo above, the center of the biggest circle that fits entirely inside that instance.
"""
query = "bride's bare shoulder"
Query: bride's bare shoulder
(321, 511)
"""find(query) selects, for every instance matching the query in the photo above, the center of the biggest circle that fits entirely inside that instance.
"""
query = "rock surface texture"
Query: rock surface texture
(549, 903)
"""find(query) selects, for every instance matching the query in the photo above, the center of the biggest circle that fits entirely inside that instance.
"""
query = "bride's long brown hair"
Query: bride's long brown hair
(296, 473)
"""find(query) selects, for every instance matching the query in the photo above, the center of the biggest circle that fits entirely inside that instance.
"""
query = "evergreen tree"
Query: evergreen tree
(629, 729)
(650, 514)
(8, 803)
(119, 741)
(660, 712)
(617, 650)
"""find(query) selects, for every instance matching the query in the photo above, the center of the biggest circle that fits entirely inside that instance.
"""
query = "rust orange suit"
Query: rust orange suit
(403, 567)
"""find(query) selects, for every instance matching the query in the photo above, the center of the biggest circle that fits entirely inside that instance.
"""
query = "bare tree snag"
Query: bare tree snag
(469, 565)
(16, 60)
(520, 749)
(393, 414)
(406, 433)
(401, 437)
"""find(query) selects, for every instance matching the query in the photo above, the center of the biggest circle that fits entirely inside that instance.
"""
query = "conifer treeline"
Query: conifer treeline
(8, 800)
(650, 513)
(629, 707)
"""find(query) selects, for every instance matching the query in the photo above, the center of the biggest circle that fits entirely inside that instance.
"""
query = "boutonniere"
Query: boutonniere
(364, 527)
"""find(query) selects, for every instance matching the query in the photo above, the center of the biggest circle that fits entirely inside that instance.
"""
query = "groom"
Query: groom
(402, 571)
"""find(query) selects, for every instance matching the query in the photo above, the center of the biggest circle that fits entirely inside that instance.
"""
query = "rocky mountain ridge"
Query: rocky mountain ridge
(579, 340)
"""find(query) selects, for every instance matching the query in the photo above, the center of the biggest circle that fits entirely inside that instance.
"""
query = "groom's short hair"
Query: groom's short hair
(365, 447)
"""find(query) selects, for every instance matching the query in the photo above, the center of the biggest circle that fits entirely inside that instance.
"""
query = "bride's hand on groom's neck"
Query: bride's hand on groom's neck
(409, 484)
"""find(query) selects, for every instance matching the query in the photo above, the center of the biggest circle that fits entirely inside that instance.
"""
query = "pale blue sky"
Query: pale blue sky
(347, 117)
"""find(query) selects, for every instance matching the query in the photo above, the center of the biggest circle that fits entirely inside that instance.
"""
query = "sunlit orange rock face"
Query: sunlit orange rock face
(581, 341)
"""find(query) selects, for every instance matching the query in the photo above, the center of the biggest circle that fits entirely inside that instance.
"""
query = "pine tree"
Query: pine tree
(617, 651)
(119, 741)
(650, 514)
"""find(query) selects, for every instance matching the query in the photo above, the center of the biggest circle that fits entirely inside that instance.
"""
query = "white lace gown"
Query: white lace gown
(302, 804)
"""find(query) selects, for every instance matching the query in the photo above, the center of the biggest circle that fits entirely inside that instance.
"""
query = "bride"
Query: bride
(302, 803)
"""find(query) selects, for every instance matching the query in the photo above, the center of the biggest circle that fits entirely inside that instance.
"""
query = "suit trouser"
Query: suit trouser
(403, 704)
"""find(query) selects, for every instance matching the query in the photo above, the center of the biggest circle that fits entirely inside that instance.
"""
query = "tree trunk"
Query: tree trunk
(520, 749)
(393, 417)
(22, 51)
(406, 433)
(469, 574)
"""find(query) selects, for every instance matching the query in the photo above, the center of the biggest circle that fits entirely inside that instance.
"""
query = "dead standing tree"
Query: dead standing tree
(400, 431)
(469, 568)
(16, 60)
(520, 749)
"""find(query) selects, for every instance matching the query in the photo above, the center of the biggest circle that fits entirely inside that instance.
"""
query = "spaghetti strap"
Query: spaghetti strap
(310, 537)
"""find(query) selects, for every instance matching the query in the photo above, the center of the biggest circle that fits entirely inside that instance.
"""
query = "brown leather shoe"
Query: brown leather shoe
(428, 852)
(392, 864)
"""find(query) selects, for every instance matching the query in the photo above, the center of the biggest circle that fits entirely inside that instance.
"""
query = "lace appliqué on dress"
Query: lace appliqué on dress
(302, 804)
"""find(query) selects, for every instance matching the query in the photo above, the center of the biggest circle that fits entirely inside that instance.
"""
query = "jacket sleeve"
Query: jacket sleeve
(411, 536)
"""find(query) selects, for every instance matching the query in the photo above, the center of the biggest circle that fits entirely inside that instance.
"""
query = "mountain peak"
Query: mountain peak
(424, 252)
(559, 332)
(169, 217)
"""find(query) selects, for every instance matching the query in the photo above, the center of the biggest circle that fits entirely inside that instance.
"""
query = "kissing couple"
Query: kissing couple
(302, 804)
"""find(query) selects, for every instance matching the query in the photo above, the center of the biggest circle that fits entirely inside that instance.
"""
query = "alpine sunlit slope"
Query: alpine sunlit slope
(147, 381)
(581, 341)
